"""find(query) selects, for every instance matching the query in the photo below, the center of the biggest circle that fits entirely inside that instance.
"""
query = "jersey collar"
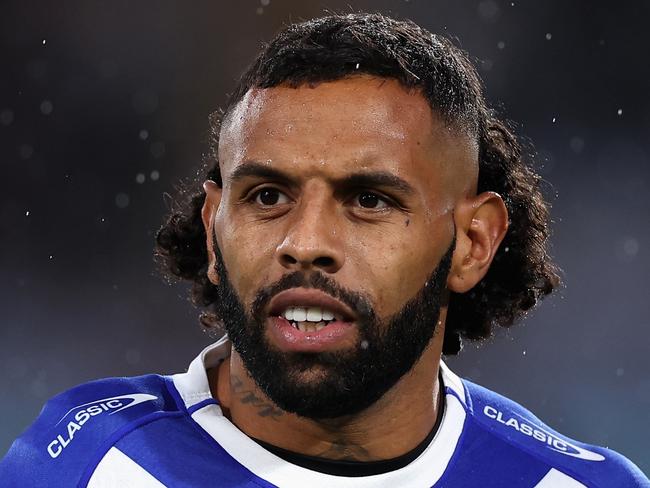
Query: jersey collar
(425, 470)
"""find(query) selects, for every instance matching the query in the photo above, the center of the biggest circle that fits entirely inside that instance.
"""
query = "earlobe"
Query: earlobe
(210, 206)
(481, 225)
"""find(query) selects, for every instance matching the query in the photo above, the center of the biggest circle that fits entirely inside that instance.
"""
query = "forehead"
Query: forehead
(364, 104)
(361, 119)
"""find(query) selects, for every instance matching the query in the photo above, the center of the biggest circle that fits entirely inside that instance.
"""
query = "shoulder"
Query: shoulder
(76, 427)
(502, 418)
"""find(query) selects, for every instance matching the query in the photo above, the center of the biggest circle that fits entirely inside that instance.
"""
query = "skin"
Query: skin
(319, 135)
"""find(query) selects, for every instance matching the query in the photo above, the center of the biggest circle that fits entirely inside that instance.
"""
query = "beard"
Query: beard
(328, 385)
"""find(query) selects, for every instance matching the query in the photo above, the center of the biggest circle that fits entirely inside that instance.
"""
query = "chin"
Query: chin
(309, 376)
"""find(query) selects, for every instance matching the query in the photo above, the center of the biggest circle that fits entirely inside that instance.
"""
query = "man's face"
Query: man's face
(337, 203)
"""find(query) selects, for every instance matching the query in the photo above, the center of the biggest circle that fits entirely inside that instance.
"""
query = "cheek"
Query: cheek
(246, 254)
(397, 264)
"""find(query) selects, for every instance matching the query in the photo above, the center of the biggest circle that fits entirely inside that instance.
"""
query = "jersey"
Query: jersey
(154, 431)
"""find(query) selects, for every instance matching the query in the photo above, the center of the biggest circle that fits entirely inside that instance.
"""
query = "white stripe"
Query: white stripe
(451, 380)
(117, 470)
(426, 470)
(557, 479)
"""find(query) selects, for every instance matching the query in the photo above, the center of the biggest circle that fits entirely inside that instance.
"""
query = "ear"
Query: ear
(210, 206)
(481, 224)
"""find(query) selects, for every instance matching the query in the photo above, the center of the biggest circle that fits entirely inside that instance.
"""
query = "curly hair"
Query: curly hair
(339, 46)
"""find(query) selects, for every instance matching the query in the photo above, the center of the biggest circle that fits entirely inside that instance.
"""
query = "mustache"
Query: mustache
(315, 280)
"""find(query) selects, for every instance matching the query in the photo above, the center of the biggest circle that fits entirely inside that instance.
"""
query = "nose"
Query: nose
(312, 241)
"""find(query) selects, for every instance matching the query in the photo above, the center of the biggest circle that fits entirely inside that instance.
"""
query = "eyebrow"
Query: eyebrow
(364, 179)
(259, 170)
(373, 179)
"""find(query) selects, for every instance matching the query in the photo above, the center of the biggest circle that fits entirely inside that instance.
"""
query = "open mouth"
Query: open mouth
(308, 308)
(309, 319)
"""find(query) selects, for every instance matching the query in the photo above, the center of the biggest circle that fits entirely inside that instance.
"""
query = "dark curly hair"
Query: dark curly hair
(338, 46)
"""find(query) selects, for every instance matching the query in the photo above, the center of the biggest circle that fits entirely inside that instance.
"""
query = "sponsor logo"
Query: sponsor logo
(78, 416)
(536, 432)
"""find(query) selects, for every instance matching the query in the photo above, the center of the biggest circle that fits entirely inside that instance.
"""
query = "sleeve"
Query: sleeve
(76, 428)
(592, 465)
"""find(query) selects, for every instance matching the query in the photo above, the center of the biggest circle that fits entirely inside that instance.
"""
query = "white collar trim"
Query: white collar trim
(425, 470)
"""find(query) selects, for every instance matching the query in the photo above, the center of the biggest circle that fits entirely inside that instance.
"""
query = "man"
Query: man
(364, 210)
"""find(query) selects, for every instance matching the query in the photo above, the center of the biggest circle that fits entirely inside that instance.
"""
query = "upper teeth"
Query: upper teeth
(309, 314)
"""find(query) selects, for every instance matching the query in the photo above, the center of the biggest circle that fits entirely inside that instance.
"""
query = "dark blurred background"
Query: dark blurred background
(103, 109)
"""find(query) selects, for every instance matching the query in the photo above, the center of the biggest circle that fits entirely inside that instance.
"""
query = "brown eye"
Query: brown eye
(270, 196)
(368, 199)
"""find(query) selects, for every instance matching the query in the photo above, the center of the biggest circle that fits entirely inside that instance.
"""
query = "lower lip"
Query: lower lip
(335, 335)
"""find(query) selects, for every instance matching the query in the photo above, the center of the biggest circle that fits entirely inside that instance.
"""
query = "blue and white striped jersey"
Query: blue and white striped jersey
(154, 431)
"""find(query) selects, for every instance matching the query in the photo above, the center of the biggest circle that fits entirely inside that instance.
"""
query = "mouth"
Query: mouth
(309, 320)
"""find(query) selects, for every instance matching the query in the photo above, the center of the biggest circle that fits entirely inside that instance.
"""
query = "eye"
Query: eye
(370, 200)
(270, 196)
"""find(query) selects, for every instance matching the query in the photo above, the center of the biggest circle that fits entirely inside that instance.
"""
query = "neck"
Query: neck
(391, 427)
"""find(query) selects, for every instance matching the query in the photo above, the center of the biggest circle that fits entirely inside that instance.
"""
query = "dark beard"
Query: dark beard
(332, 384)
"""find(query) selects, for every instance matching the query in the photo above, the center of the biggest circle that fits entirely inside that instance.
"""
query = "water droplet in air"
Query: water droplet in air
(25, 151)
(577, 144)
(619, 111)
(144, 134)
(132, 356)
(487, 64)
(549, 36)
(39, 388)
(44, 41)
(122, 200)
(364, 344)
(139, 178)
(620, 372)
(631, 246)
(553, 120)
(501, 44)
(6, 117)
(154, 175)
(27, 214)
(488, 10)
(46, 107)
(157, 149)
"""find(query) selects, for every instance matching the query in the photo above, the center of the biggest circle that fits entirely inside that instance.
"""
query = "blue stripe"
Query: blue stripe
(449, 391)
(200, 405)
